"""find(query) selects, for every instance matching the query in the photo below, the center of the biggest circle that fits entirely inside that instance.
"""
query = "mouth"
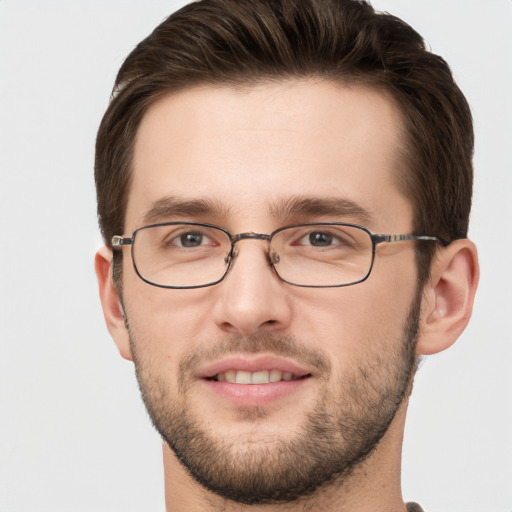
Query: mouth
(255, 381)
(257, 377)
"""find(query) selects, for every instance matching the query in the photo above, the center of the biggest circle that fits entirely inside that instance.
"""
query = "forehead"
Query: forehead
(248, 149)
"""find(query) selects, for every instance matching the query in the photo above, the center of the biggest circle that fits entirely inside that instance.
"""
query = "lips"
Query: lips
(254, 381)
(253, 370)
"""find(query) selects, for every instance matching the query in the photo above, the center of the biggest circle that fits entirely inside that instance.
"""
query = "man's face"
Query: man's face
(251, 160)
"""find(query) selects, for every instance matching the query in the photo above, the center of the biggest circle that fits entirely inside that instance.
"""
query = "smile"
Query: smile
(249, 380)
(258, 377)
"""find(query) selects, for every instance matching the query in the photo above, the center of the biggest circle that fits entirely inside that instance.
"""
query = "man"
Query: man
(284, 190)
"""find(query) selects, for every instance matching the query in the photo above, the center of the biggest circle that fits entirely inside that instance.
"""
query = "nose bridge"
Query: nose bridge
(246, 236)
(252, 296)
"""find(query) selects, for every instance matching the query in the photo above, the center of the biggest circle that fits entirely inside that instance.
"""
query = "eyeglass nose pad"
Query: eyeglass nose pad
(232, 254)
(273, 258)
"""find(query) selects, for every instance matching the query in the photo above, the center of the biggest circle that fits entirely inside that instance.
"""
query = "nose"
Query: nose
(252, 298)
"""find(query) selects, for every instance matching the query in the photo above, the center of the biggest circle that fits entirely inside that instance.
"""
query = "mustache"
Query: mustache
(276, 344)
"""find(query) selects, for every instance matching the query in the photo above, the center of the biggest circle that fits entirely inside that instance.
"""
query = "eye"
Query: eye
(320, 239)
(324, 239)
(188, 239)
(194, 239)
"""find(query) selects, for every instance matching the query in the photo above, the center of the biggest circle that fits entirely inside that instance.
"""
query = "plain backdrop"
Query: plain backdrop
(74, 435)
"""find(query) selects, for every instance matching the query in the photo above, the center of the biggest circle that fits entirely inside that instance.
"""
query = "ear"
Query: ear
(448, 297)
(111, 302)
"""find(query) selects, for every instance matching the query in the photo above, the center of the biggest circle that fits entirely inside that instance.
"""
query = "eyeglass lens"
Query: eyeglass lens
(193, 255)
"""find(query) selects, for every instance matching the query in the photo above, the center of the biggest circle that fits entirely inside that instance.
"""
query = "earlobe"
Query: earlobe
(111, 302)
(448, 297)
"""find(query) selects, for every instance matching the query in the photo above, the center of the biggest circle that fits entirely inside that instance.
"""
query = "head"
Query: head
(252, 115)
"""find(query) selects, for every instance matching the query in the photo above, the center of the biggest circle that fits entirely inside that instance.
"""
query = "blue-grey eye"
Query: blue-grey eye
(191, 239)
(320, 239)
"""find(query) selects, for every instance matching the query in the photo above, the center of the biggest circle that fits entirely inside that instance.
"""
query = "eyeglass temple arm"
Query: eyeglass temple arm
(404, 238)
(119, 241)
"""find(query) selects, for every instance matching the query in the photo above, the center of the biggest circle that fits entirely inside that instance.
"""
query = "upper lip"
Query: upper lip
(251, 363)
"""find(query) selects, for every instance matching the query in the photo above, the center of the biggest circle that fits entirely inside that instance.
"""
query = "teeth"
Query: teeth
(243, 377)
(261, 377)
(275, 376)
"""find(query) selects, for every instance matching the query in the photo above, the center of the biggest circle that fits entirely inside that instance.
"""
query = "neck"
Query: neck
(373, 485)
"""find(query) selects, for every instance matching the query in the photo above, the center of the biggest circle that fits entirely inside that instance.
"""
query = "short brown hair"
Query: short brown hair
(243, 42)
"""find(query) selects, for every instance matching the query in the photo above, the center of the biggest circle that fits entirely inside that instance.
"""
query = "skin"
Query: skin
(250, 150)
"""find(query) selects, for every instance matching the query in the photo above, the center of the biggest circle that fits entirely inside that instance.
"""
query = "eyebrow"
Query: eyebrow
(305, 206)
(169, 207)
(296, 206)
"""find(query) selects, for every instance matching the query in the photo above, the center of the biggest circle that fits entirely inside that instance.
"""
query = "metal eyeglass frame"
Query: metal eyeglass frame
(119, 241)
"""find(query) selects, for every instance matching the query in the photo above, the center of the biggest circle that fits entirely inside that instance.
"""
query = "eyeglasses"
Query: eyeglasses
(195, 255)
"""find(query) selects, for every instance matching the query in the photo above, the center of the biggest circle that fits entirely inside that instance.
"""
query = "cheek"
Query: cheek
(165, 323)
(352, 323)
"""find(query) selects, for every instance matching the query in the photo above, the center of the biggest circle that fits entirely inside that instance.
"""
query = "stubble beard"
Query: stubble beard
(332, 441)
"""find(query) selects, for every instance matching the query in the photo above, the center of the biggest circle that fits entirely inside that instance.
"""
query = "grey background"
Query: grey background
(74, 435)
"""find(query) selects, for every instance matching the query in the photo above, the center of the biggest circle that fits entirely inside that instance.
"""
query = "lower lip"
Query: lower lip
(255, 395)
